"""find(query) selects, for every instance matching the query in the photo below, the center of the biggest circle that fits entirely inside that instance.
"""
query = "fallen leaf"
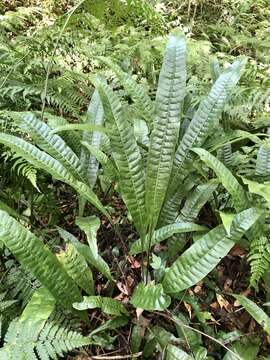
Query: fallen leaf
(189, 309)
(223, 303)
(134, 263)
(123, 288)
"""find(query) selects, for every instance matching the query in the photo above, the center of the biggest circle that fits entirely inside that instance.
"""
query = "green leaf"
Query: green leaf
(106, 304)
(150, 297)
(107, 165)
(140, 97)
(42, 160)
(226, 178)
(136, 338)
(164, 233)
(164, 137)
(111, 324)
(87, 253)
(95, 116)
(196, 199)
(175, 353)
(245, 351)
(80, 127)
(227, 219)
(126, 155)
(203, 256)
(204, 121)
(259, 189)
(35, 257)
(77, 268)
(53, 144)
(23, 332)
(255, 311)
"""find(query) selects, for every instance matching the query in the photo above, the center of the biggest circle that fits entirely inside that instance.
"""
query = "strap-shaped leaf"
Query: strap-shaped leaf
(255, 311)
(150, 297)
(137, 92)
(164, 137)
(203, 256)
(106, 304)
(107, 165)
(35, 257)
(164, 233)
(196, 200)
(263, 160)
(76, 267)
(204, 120)
(44, 161)
(227, 179)
(53, 144)
(126, 155)
(90, 253)
(71, 138)
(192, 206)
(95, 116)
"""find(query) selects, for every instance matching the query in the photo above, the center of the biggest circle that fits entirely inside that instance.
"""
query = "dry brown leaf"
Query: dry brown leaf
(189, 309)
(223, 303)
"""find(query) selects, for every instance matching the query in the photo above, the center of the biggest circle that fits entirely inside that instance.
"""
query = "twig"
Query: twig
(117, 357)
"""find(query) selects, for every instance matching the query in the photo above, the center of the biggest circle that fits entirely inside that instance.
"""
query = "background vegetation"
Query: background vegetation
(135, 165)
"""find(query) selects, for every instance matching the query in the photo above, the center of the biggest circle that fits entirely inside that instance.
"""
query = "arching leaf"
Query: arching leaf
(203, 122)
(164, 233)
(255, 311)
(53, 144)
(35, 257)
(44, 161)
(203, 256)
(227, 179)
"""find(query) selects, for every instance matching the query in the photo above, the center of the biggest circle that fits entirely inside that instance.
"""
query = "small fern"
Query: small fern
(259, 258)
(21, 167)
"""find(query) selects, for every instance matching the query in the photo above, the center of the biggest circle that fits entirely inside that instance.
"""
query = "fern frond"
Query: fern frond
(137, 92)
(95, 116)
(21, 167)
(259, 258)
(34, 334)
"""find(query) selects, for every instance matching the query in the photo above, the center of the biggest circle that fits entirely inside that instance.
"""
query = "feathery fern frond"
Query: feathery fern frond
(259, 257)
(21, 167)
(32, 336)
